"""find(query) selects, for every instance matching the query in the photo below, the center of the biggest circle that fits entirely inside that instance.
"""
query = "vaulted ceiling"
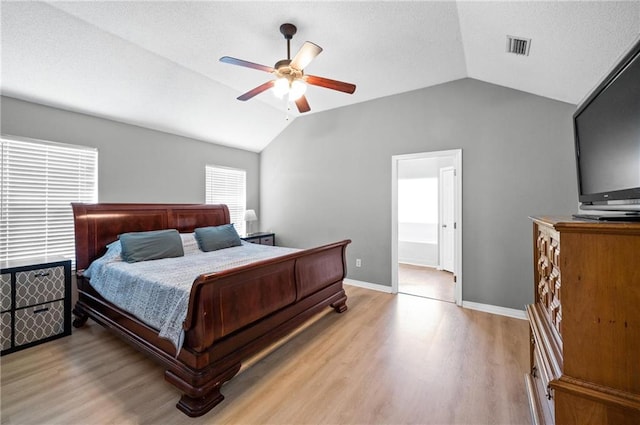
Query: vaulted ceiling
(156, 64)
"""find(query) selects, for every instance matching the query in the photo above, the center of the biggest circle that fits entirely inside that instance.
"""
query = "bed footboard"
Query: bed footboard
(222, 303)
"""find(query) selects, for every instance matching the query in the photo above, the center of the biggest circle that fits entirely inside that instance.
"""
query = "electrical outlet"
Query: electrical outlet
(358, 262)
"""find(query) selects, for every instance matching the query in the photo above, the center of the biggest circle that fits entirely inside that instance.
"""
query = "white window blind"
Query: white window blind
(228, 186)
(38, 181)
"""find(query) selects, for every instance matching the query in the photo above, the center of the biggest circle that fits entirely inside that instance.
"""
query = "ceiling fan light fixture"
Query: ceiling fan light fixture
(293, 89)
(281, 87)
(298, 88)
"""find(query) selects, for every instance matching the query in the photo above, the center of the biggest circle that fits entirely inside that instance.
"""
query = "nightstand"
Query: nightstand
(36, 302)
(262, 238)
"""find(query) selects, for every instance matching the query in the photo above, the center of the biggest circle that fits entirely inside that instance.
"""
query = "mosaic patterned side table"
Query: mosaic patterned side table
(35, 302)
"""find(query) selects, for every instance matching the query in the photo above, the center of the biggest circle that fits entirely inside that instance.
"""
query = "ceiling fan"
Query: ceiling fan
(290, 78)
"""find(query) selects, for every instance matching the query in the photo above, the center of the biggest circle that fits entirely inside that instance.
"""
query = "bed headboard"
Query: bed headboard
(97, 225)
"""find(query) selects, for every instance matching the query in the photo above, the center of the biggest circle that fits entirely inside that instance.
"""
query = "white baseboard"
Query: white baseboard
(494, 309)
(487, 308)
(368, 285)
(419, 264)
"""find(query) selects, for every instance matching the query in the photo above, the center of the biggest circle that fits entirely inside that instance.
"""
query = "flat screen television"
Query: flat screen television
(607, 143)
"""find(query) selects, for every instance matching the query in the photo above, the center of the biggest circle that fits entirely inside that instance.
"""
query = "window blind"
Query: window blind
(228, 186)
(38, 181)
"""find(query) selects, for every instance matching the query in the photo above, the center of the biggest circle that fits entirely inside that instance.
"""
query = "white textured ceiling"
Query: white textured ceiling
(155, 64)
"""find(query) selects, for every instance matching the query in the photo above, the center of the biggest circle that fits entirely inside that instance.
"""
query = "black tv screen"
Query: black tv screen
(607, 137)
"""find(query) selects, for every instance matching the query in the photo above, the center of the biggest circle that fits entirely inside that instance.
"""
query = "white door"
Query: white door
(447, 218)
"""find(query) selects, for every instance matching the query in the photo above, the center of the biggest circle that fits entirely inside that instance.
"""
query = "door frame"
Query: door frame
(456, 155)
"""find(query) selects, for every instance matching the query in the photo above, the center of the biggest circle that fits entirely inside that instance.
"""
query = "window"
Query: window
(38, 181)
(418, 210)
(418, 199)
(228, 186)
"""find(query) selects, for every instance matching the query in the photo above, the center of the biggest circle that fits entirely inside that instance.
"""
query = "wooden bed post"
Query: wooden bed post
(200, 395)
(340, 306)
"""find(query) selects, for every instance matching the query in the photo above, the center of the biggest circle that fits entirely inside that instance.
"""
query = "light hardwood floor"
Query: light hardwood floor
(426, 282)
(390, 359)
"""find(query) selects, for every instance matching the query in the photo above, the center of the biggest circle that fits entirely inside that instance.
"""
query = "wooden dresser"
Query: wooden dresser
(585, 323)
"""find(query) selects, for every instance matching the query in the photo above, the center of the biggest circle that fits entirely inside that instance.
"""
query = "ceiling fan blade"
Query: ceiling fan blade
(253, 92)
(247, 64)
(330, 84)
(305, 55)
(302, 104)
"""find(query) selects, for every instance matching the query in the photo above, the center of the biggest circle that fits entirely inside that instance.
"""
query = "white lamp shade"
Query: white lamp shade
(283, 86)
(297, 90)
(280, 88)
(250, 215)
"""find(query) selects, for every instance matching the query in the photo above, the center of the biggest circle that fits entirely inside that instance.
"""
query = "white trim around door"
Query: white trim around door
(456, 155)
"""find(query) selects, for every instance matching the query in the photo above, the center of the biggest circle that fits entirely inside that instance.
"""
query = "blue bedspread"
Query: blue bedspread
(157, 291)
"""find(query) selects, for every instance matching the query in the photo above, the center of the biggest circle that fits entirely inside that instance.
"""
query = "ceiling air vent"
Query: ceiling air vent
(518, 45)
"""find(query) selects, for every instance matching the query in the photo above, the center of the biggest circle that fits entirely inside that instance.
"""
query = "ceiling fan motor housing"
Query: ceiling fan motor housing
(284, 70)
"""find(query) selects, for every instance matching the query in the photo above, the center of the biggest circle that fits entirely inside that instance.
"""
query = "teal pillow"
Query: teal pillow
(153, 245)
(217, 237)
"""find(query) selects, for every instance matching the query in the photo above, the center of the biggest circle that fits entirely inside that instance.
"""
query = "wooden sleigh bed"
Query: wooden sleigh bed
(232, 314)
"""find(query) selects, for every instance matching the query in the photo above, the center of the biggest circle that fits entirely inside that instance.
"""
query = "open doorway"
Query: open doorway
(427, 225)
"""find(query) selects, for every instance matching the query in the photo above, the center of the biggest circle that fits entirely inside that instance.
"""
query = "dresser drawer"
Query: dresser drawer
(39, 286)
(546, 365)
(542, 379)
(39, 322)
(5, 292)
(5, 331)
(261, 238)
(540, 408)
(540, 395)
(266, 240)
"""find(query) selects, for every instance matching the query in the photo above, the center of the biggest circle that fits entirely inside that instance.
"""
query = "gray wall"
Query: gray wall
(135, 164)
(328, 177)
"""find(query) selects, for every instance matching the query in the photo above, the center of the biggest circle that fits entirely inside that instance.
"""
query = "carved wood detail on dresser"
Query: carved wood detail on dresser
(585, 323)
